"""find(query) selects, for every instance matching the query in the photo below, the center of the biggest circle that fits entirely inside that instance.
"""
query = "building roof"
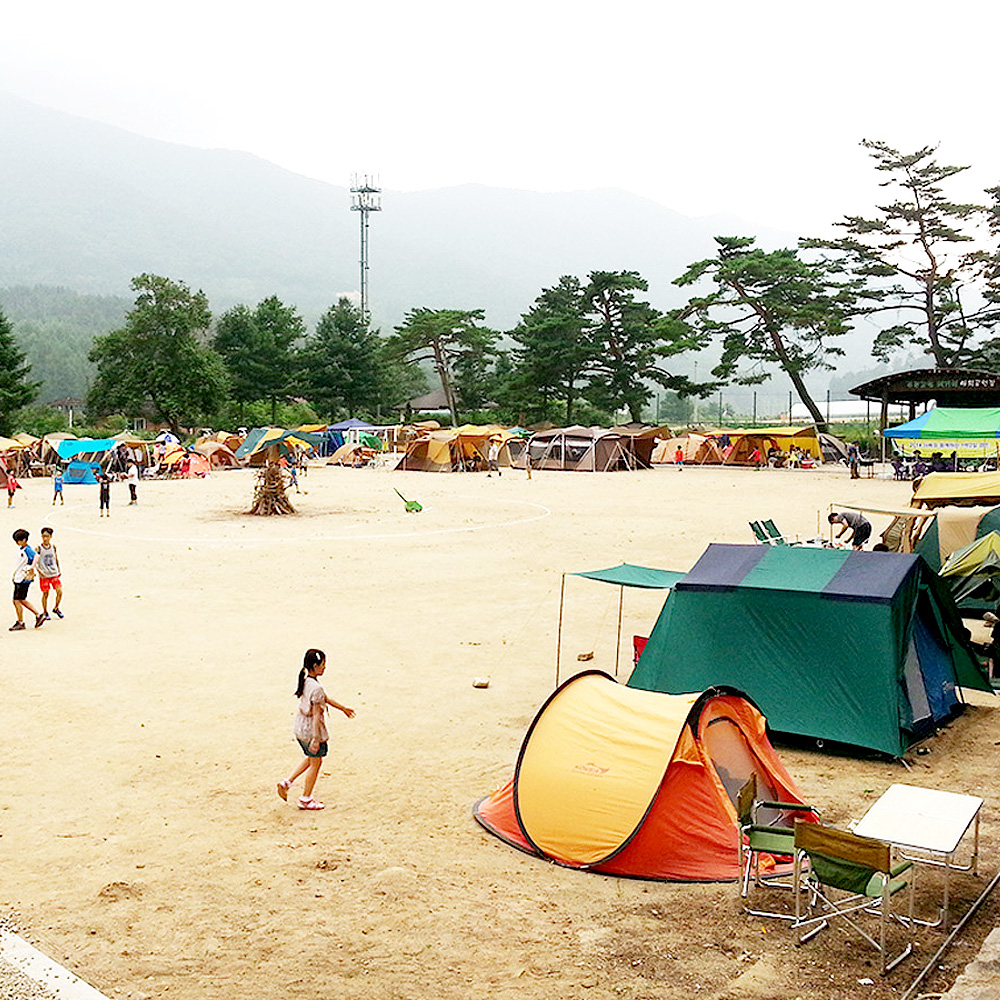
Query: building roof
(948, 386)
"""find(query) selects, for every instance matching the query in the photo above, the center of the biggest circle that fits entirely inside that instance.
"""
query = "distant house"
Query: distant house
(68, 406)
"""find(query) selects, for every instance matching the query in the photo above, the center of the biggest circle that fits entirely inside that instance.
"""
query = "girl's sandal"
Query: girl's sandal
(310, 803)
(283, 787)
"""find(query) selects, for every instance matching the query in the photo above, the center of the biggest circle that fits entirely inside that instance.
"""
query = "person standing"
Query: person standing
(493, 458)
(104, 486)
(12, 485)
(57, 487)
(24, 573)
(859, 526)
(679, 458)
(854, 460)
(49, 573)
(133, 482)
(310, 727)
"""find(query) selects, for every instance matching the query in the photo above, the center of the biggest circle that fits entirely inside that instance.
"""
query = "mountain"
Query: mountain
(87, 206)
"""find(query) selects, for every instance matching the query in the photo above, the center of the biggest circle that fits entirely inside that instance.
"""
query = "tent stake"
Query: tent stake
(562, 591)
(618, 644)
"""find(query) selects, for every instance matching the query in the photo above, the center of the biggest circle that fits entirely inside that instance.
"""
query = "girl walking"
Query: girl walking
(310, 727)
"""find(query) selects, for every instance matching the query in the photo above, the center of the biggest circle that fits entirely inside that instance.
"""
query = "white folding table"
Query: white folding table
(928, 821)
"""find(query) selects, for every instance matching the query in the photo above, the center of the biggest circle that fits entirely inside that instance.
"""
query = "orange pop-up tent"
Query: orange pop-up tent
(639, 786)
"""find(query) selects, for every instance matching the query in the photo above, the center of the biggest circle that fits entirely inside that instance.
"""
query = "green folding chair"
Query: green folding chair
(849, 876)
(758, 532)
(757, 838)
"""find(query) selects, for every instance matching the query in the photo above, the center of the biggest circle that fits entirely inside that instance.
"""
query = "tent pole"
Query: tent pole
(562, 592)
(618, 644)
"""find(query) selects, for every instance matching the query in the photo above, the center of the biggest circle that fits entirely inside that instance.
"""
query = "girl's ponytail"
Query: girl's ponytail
(312, 659)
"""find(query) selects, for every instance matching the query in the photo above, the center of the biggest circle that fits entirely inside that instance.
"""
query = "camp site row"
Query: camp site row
(849, 651)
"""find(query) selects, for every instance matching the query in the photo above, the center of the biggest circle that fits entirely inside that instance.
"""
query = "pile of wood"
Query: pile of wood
(269, 492)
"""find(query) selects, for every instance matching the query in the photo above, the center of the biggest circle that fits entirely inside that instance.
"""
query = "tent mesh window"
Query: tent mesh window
(734, 762)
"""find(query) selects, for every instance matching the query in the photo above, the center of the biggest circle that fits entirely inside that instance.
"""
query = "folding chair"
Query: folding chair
(758, 838)
(758, 532)
(841, 862)
(775, 537)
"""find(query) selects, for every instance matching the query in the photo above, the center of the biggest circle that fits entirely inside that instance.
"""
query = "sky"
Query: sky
(718, 107)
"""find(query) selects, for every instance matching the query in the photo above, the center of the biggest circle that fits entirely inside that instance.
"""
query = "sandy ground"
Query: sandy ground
(142, 842)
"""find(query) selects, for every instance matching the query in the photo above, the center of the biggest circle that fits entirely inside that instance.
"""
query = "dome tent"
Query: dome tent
(636, 783)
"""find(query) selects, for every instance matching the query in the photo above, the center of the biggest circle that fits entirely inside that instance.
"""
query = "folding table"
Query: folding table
(928, 821)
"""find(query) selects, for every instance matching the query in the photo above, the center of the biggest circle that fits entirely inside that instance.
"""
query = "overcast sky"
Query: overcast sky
(755, 109)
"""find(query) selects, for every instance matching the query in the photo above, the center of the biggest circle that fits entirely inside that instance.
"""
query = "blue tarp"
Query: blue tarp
(70, 448)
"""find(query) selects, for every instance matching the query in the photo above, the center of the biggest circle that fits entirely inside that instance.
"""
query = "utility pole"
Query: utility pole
(365, 198)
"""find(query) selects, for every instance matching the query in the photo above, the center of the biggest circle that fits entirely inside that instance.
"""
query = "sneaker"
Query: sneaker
(57, 613)
(16, 627)
(39, 621)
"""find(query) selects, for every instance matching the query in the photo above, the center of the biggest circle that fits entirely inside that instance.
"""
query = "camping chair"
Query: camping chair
(858, 866)
(775, 537)
(756, 838)
(758, 532)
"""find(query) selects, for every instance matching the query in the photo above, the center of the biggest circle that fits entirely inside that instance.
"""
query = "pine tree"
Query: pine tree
(15, 389)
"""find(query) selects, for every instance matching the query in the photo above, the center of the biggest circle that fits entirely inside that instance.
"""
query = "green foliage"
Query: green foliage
(453, 341)
(158, 362)
(40, 420)
(258, 414)
(257, 347)
(55, 328)
(914, 254)
(674, 409)
(15, 388)
(342, 373)
(770, 309)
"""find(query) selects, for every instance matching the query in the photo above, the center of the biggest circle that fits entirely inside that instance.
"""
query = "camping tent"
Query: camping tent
(455, 449)
(636, 783)
(972, 432)
(743, 442)
(953, 528)
(863, 648)
(581, 449)
(696, 448)
(81, 473)
(973, 574)
(219, 455)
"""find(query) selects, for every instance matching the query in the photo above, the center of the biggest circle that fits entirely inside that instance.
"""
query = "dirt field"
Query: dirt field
(141, 839)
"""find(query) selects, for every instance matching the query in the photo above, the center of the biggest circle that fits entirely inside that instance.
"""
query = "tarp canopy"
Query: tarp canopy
(84, 446)
(636, 783)
(627, 575)
(862, 648)
(262, 438)
(950, 423)
(967, 488)
(969, 432)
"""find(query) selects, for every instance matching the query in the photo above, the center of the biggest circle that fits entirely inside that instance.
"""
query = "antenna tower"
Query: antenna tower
(365, 198)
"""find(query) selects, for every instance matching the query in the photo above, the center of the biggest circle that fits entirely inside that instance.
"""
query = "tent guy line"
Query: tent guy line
(353, 537)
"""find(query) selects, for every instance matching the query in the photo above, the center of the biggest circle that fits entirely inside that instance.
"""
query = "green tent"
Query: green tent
(860, 648)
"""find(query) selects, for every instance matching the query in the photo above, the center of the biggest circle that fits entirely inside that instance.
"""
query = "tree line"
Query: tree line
(925, 266)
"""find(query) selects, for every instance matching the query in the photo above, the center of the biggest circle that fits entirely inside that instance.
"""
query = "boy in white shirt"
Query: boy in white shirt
(24, 573)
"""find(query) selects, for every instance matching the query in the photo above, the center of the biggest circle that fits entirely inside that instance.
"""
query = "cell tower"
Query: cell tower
(365, 198)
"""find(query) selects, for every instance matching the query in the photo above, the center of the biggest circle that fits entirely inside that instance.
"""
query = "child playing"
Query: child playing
(104, 481)
(310, 727)
(23, 575)
(12, 484)
(57, 487)
(49, 573)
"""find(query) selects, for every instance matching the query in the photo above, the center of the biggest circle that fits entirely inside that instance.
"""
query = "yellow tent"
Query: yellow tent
(456, 449)
(744, 440)
(937, 489)
(967, 560)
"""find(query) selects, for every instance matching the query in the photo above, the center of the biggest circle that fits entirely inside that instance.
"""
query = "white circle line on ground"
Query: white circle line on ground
(229, 539)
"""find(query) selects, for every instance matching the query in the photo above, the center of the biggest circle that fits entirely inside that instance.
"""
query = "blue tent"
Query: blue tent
(81, 473)
(72, 447)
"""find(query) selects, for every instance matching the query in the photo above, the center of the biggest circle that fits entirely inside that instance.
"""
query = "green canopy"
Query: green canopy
(861, 648)
(627, 575)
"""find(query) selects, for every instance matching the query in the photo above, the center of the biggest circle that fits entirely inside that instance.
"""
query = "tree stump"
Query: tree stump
(269, 492)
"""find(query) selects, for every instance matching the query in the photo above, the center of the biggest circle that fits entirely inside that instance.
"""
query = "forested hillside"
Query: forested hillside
(55, 327)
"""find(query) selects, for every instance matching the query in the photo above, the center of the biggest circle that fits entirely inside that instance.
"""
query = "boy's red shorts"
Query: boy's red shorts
(48, 583)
